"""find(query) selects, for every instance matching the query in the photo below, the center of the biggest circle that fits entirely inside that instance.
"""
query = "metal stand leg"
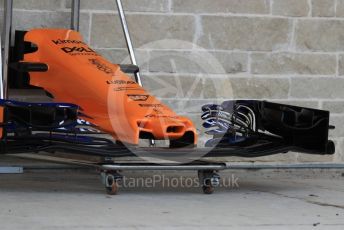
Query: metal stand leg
(5, 44)
(2, 82)
(4, 61)
(75, 17)
(128, 39)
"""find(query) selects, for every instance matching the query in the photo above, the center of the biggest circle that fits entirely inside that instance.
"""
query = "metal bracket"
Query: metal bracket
(11, 170)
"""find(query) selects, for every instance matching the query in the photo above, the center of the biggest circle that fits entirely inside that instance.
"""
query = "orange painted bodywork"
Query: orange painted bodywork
(107, 96)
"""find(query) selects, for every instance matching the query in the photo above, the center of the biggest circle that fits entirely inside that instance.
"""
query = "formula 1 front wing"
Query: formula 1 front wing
(98, 97)
(238, 128)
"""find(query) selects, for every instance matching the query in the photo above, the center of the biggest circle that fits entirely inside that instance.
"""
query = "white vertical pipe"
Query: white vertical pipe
(5, 47)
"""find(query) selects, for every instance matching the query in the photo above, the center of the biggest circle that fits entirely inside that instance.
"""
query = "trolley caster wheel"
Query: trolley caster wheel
(110, 181)
(209, 180)
(112, 186)
(208, 189)
(112, 190)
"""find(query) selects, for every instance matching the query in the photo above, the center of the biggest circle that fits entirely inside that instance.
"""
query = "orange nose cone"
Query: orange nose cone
(108, 97)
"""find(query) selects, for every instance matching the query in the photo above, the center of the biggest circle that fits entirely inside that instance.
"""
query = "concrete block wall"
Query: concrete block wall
(193, 52)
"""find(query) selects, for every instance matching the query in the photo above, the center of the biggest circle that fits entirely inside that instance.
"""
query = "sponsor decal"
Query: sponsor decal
(62, 42)
(101, 66)
(157, 111)
(160, 116)
(79, 50)
(138, 97)
(127, 88)
(151, 105)
(120, 82)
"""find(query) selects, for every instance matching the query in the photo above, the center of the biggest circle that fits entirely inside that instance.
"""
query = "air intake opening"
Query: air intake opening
(174, 129)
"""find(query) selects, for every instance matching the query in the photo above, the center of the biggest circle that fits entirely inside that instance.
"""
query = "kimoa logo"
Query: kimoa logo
(77, 49)
(61, 42)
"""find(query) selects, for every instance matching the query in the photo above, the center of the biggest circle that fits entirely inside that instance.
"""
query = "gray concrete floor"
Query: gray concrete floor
(75, 199)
